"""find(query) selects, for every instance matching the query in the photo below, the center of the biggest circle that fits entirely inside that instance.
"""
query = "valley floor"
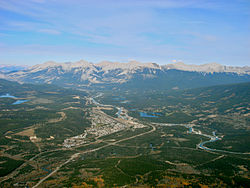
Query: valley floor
(125, 151)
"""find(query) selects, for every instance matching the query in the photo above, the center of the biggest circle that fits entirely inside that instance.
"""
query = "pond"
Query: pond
(20, 102)
(144, 114)
(8, 96)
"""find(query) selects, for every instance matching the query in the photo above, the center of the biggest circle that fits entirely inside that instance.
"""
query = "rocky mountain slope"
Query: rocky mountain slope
(10, 68)
(209, 68)
(131, 74)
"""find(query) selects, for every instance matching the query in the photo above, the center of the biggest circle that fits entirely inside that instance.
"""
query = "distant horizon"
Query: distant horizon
(143, 62)
(125, 61)
(195, 32)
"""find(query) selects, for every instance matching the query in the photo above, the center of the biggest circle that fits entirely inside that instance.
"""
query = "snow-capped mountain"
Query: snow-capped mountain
(84, 73)
(209, 68)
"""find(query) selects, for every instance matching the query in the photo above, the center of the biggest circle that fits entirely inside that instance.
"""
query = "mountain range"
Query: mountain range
(130, 75)
(11, 68)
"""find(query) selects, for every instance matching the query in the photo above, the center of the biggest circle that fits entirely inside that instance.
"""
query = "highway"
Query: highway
(89, 151)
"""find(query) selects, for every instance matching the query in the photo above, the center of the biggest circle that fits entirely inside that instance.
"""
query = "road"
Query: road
(89, 151)
(13, 173)
(213, 138)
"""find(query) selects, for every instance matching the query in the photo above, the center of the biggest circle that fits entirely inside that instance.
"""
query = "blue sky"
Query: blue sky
(160, 31)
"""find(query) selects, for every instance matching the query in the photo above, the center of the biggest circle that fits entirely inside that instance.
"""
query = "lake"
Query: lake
(144, 114)
(8, 96)
(20, 102)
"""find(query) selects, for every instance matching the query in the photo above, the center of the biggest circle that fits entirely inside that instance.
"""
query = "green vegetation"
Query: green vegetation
(51, 114)
(164, 152)
(7, 165)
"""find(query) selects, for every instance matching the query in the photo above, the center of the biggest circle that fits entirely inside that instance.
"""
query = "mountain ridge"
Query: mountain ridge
(109, 65)
(132, 74)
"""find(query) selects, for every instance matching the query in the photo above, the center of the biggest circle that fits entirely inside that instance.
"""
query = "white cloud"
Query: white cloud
(49, 31)
(123, 24)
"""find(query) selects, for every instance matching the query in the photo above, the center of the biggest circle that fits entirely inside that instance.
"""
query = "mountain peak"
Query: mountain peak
(84, 72)
(214, 64)
(132, 65)
(209, 67)
(81, 63)
(45, 65)
(108, 65)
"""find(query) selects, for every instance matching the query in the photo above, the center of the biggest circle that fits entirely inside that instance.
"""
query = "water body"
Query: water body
(150, 114)
(124, 102)
(201, 145)
(119, 112)
(20, 102)
(190, 130)
(132, 110)
(144, 114)
(13, 97)
(214, 133)
(8, 96)
(46, 170)
(212, 139)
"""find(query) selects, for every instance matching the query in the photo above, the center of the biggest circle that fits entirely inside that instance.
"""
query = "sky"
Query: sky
(159, 31)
